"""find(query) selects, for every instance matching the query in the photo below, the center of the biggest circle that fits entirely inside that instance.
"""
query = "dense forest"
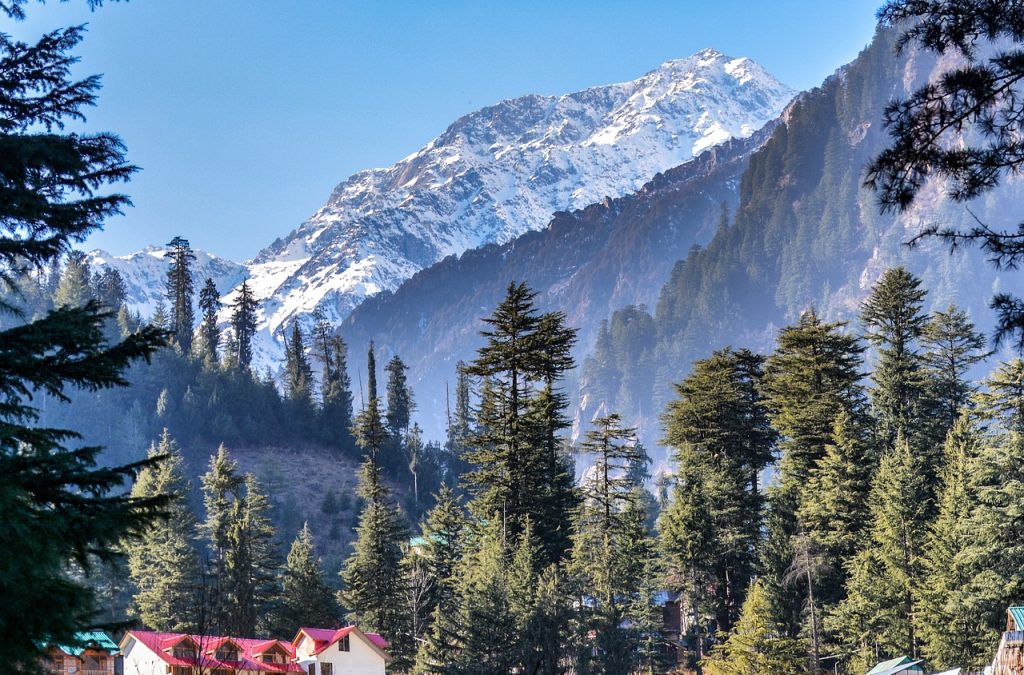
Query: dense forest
(761, 534)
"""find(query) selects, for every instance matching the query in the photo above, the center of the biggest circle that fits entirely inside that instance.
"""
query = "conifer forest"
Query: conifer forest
(758, 409)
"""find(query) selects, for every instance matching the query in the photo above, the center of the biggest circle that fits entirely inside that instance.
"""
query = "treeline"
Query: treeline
(204, 390)
(814, 510)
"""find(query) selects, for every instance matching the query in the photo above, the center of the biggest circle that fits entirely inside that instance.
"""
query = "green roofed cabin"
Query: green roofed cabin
(898, 666)
(93, 653)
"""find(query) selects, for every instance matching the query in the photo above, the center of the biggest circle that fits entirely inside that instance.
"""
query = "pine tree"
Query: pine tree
(756, 645)
(610, 545)
(812, 377)
(243, 322)
(209, 303)
(835, 515)
(109, 289)
(306, 598)
(952, 348)
(899, 515)
(718, 428)
(954, 597)
(483, 634)
(222, 489)
(373, 585)
(689, 539)
(400, 404)
(163, 562)
(249, 589)
(75, 288)
(298, 372)
(337, 393)
(1003, 398)
(444, 531)
(520, 469)
(368, 427)
(893, 323)
(180, 289)
(72, 509)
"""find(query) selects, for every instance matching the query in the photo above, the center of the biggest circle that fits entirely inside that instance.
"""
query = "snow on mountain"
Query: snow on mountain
(145, 274)
(502, 171)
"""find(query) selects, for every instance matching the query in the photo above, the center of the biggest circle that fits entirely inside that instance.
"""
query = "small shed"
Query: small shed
(902, 665)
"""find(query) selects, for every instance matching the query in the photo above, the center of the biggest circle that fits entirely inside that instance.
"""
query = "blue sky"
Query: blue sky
(244, 114)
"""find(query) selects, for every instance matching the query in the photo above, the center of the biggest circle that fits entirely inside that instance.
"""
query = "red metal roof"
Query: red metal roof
(325, 637)
(250, 648)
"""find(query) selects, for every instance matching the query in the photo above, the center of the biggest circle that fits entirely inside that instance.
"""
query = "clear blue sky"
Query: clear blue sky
(244, 114)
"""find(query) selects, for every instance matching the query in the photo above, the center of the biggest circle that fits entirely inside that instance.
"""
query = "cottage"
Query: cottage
(345, 651)
(314, 651)
(1009, 658)
(93, 653)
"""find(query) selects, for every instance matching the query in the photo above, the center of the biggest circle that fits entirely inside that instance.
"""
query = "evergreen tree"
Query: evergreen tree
(337, 393)
(243, 322)
(610, 547)
(368, 428)
(180, 289)
(75, 288)
(813, 376)
(955, 594)
(483, 634)
(718, 428)
(306, 599)
(209, 303)
(109, 289)
(952, 348)
(250, 590)
(373, 584)
(756, 645)
(222, 489)
(520, 468)
(893, 324)
(899, 516)
(298, 372)
(443, 548)
(60, 499)
(689, 539)
(1003, 398)
(835, 515)
(162, 563)
(400, 402)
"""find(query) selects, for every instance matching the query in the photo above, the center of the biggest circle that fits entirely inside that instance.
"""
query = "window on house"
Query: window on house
(270, 658)
(326, 669)
(57, 664)
(90, 662)
(311, 669)
(343, 644)
(184, 652)
(226, 654)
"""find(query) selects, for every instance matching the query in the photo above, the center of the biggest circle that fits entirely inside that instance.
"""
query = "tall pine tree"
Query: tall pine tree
(209, 303)
(180, 290)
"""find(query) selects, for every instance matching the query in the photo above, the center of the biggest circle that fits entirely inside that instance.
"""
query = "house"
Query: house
(157, 653)
(1009, 658)
(902, 665)
(345, 651)
(93, 654)
(314, 651)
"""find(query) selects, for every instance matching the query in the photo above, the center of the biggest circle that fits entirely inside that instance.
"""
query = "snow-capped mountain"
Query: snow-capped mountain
(502, 171)
(145, 274)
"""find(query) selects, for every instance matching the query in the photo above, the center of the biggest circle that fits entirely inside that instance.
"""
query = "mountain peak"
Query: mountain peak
(501, 171)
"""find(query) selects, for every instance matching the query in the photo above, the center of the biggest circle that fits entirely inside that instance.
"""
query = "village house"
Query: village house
(314, 651)
(93, 654)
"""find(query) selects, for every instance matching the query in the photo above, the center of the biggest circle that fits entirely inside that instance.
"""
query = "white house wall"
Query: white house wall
(139, 660)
